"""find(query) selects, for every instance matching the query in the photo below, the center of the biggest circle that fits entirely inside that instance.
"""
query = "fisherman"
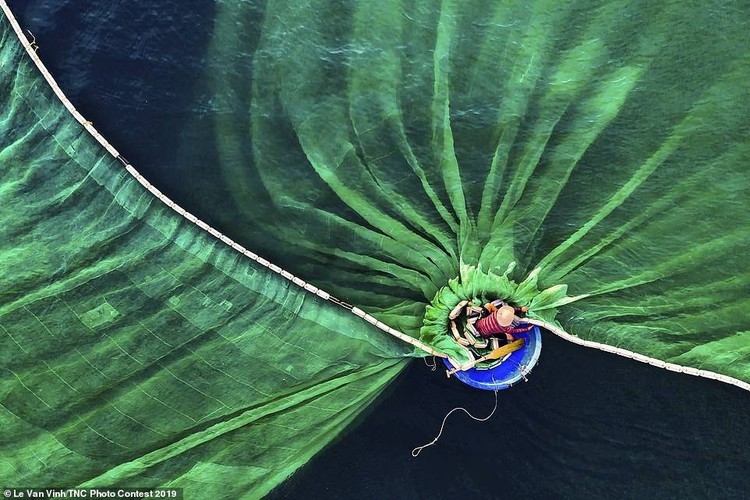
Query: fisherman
(501, 321)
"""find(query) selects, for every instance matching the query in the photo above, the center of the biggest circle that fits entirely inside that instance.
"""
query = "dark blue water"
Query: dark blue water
(586, 425)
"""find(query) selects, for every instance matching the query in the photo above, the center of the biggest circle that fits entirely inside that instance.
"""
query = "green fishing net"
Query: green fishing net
(590, 159)
(138, 350)
(603, 143)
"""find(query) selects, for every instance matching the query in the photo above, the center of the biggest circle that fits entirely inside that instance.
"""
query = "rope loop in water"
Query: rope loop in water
(416, 451)
(432, 365)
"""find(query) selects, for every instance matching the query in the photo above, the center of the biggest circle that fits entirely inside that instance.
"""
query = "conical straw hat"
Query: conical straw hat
(504, 315)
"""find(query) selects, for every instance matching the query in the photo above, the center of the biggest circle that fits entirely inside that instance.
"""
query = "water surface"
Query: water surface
(587, 424)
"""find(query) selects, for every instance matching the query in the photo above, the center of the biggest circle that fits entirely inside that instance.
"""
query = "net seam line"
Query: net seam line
(89, 127)
(307, 286)
(673, 367)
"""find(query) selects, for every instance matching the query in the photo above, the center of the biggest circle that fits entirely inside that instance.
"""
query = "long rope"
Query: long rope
(31, 47)
(416, 451)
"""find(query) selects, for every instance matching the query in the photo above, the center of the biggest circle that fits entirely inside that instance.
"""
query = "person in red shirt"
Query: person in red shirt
(503, 321)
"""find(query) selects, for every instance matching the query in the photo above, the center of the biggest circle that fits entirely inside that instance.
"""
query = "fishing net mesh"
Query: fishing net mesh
(593, 155)
(136, 348)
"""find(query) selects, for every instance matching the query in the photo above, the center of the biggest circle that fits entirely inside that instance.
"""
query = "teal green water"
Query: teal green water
(371, 148)
(135, 348)
(377, 146)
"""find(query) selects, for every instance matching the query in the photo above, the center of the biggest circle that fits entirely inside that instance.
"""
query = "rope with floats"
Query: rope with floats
(32, 46)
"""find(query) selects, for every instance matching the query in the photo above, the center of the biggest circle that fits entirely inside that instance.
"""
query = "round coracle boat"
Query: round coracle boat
(502, 373)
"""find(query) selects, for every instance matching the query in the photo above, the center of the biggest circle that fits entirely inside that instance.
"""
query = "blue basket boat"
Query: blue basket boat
(505, 372)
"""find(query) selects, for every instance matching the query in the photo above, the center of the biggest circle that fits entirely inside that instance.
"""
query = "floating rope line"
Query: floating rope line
(416, 451)
(31, 48)
(640, 357)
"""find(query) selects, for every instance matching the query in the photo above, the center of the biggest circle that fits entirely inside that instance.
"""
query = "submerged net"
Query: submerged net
(135, 348)
(597, 152)
(604, 144)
